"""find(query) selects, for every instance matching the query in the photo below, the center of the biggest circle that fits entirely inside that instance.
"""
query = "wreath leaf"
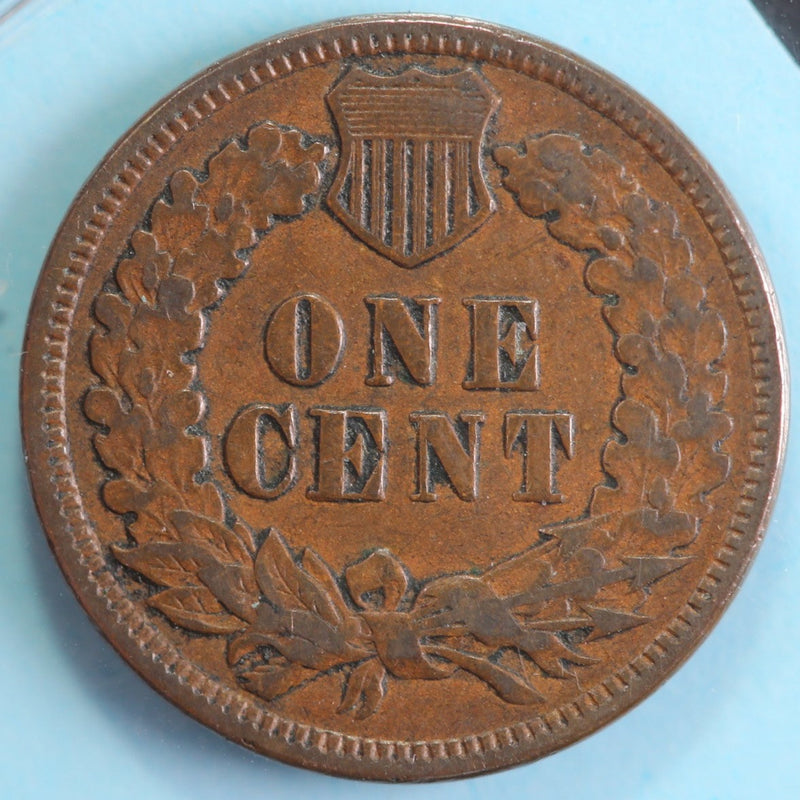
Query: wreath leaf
(196, 609)
(276, 678)
(166, 563)
(195, 529)
(288, 586)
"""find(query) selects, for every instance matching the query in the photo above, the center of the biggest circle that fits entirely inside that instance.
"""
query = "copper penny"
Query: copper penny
(404, 398)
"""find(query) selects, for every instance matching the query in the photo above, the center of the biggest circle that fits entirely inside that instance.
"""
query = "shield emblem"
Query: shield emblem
(410, 183)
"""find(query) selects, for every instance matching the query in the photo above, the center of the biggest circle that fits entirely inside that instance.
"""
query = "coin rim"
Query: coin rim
(235, 713)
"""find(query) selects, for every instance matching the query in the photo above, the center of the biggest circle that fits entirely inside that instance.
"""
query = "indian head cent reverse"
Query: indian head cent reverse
(404, 398)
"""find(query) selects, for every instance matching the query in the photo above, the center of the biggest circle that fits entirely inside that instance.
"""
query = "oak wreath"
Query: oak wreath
(286, 617)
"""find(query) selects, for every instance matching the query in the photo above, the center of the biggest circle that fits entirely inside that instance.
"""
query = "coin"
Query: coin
(404, 398)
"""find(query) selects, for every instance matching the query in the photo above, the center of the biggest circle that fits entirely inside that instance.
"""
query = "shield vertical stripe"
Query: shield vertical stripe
(418, 214)
(440, 181)
(357, 184)
(398, 195)
(378, 189)
(460, 183)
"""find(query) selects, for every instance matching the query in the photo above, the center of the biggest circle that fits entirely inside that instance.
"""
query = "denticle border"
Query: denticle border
(633, 116)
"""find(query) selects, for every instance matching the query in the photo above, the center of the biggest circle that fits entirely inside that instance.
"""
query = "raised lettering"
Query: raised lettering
(304, 340)
(447, 455)
(403, 337)
(351, 452)
(505, 352)
(537, 435)
(261, 450)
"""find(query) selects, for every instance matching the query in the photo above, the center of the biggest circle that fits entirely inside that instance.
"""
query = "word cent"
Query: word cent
(404, 398)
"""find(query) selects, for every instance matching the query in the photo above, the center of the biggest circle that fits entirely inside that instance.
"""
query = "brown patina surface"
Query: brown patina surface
(404, 398)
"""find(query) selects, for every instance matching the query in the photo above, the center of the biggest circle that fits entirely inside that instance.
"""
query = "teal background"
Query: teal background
(76, 721)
